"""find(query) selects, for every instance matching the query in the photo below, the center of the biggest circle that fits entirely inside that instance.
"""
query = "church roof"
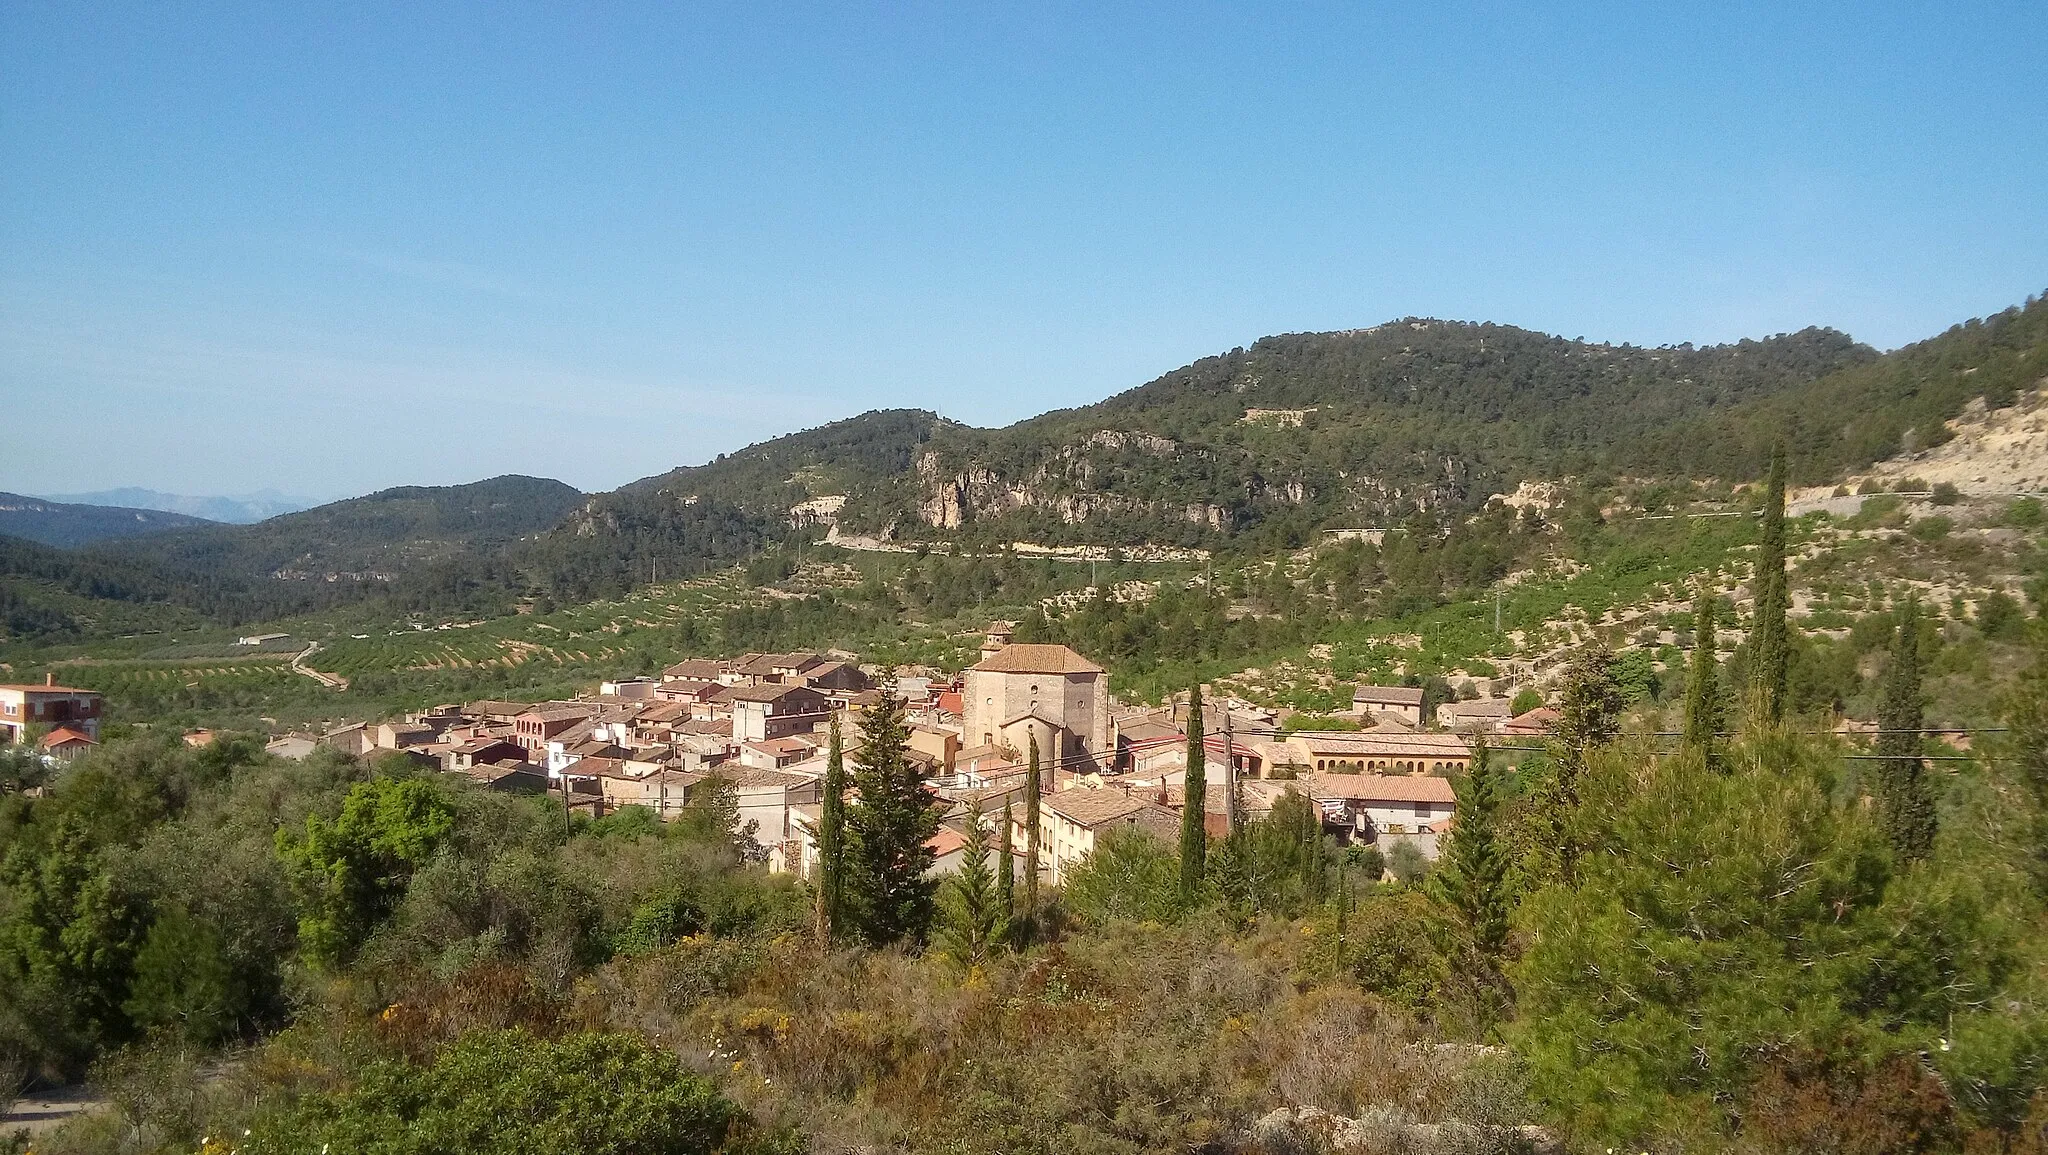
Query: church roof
(1036, 658)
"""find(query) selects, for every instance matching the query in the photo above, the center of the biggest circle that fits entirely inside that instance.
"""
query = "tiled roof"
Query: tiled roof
(63, 734)
(561, 713)
(1381, 788)
(1096, 806)
(755, 779)
(1033, 658)
(771, 692)
(1480, 708)
(41, 688)
(1388, 695)
(1352, 744)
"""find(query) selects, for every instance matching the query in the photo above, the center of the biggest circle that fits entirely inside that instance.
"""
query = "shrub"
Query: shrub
(1931, 528)
(1131, 876)
(499, 1091)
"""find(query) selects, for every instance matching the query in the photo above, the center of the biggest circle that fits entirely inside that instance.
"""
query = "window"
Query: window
(1422, 810)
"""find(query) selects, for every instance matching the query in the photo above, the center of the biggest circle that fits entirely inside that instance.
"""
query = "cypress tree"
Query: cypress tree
(886, 891)
(1474, 877)
(1768, 640)
(1906, 798)
(1033, 787)
(1194, 834)
(1006, 867)
(2026, 713)
(1702, 689)
(973, 921)
(832, 839)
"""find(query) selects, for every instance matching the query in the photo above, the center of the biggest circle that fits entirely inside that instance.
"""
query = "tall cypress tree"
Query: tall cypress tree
(832, 839)
(1768, 641)
(1006, 866)
(1474, 876)
(1702, 688)
(1033, 787)
(1906, 797)
(1194, 833)
(887, 892)
(2026, 713)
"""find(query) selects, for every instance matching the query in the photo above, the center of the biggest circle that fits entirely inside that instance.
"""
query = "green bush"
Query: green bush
(507, 1091)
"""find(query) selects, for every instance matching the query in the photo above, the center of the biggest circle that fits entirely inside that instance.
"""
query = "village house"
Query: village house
(1384, 809)
(535, 728)
(494, 712)
(766, 798)
(836, 678)
(1346, 751)
(507, 778)
(694, 670)
(1401, 702)
(1477, 716)
(779, 753)
(485, 752)
(1535, 723)
(51, 705)
(1071, 821)
(666, 792)
(65, 743)
(628, 689)
(775, 711)
(1020, 692)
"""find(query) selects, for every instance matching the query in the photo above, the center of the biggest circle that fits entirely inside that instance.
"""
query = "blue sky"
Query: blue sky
(332, 250)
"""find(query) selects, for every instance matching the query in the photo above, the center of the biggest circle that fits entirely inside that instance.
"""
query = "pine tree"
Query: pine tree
(1194, 833)
(1769, 644)
(973, 921)
(1006, 867)
(887, 894)
(1906, 797)
(1473, 877)
(1589, 716)
(1033, 787)
(832, 839)
(1702, 689)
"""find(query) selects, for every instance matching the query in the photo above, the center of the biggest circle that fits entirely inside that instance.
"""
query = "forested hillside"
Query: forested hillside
(61, 523)
(393, 539)
(1365, 428)
(1416, 421)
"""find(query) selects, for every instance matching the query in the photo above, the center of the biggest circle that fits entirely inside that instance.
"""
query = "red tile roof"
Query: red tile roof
(1032, 658)
(1381, 788)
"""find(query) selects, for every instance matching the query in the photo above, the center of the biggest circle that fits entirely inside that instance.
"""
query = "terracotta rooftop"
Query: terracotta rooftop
(1385, 744)
(1033, 658)
(1388, 695)
(1381, 788)
(1098, 806)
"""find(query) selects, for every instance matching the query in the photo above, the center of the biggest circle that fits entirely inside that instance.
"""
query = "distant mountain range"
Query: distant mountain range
(1413, 422)
(236, 510)
(66, 524)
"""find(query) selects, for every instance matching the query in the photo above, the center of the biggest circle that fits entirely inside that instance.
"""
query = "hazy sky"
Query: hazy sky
(333, 251)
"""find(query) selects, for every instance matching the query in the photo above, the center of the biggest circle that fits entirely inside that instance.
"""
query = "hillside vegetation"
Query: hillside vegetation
(1254, 450)
(67, 524)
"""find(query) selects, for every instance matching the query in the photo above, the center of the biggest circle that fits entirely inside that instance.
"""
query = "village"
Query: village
(758, 726)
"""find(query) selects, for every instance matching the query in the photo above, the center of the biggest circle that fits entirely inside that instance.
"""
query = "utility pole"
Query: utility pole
(1496, 610)
(1230, 807)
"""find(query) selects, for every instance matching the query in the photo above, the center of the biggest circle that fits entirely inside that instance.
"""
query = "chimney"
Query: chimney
(49, 679)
